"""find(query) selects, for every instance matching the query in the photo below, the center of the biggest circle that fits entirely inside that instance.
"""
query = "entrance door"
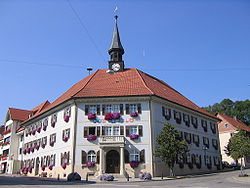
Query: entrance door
(37, 166)
(112, 162)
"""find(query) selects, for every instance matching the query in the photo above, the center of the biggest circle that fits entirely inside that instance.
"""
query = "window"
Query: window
(112, 108)
(20, 150)
(204, 125)
(133, 108)
(65, 157)
(92, 109)
(194, 121)
(22, 137)
(53, 138)
(116, 108)
(206, 141)
(91, 156)
(116, 131)
(166, 112)
(108, 131)
(134, 156)
(53, 118)
(186, 119)
(66, 133)
(134, 129)
(91, 130)
(108, 108)
(177, 117)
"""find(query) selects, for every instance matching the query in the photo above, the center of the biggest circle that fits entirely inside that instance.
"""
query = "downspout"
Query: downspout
(151, 136)
(73, 147)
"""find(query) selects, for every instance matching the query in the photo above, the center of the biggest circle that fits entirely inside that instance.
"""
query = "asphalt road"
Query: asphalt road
(220, 180)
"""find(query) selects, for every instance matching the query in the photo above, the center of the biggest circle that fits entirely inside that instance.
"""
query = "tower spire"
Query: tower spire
(116, 50)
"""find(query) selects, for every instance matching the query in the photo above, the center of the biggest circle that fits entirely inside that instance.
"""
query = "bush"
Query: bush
(106, 177)
(145, 176)
(74, 176)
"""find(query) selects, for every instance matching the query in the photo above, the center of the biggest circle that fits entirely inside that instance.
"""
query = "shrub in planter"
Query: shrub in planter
(134, 136)
(91, 137)
(90, 164)
(43, 167)
(65, 139)
(108, 116)
(66, 118)
(91, 116)
(133, 114)
(134, 164)
(107, 177)
(116, 116)
(64, 165)
(39, 129)
(50, 167)
(145, 176)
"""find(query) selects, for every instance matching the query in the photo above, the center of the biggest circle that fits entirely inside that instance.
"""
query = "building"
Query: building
(228, 127)
(108, 123)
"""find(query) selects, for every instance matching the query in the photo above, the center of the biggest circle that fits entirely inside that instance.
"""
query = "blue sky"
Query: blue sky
(199, 47)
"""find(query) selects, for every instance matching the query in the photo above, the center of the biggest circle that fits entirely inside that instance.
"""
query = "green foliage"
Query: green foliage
(239, 145)
(170, 145)
(240, 109)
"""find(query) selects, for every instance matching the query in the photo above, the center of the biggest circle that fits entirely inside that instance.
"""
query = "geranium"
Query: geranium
(66, 118)
(134, 164)
(91, 116)
(44, 127)
(91, 137)
(30, 169)
(39, 129)
(28, 150)
(43, 145)
(53, 124)
(50, 167)
(65, 139)
(32, 149)
(134, 136)
(90, 164)
(24, 151)
(37, 147)
(25, 170)
(133, 114)
(43, 167)
(116, 116)
(34, 132)
(52, 143)
(108, 116)
(64, 165)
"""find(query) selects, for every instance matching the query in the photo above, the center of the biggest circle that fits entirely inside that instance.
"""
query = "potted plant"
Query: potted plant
(133, 114)
(134, 164)
(90, 164)
(91, 137)
(134, 136)
(91, 116)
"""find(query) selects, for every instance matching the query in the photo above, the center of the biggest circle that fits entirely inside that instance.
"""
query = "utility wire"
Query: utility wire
(85, 29)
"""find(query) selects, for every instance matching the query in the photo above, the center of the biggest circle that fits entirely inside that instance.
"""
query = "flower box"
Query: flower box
(66, 118)
(50, 167)
(32, 149)
(30, 169)
(28, 150)
(44, 127)
(43, 167)
(91, 116)
(134, 136)
(37, 147)
(65, 139)
(51, 144)
(24, 151)
(116, 116)
(25, 170)
(53, 124)
(33, 132)
(134, 114)
(30, 132)
(39, 129)
(134, 164)
(6, 132)
(43, 145)
(90, 164)
(91, 137)
(64, 165)
(108, 116)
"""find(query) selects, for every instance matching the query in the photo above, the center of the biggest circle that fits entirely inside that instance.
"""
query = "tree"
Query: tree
(170, 145)
(239, 146)
(239, 109)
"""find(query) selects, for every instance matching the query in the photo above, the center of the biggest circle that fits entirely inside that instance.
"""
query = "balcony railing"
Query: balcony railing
(112, 140)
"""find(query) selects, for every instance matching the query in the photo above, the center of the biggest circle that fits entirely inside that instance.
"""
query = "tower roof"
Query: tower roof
(116, 42)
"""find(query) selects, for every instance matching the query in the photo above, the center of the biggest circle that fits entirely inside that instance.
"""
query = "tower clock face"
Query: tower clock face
(116, 67)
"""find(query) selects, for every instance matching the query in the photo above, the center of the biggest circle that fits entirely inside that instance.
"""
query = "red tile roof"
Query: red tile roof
(19, 114)
(20, 129)
(131, 82)
(233, 124)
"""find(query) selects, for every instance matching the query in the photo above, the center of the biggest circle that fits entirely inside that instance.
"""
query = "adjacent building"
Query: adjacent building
(108, 123)
(228, 127)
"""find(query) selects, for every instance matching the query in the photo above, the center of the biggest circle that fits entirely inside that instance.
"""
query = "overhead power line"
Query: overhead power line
(85, 29)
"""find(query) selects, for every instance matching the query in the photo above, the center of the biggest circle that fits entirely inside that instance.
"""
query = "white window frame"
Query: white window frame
(93, 109)
(135, 155)
(91, 157)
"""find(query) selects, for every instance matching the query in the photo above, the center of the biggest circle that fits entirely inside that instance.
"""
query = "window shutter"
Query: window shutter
(68, 157)
(126, 156)
(98, 109)
(121, 130)
(61, 158)
(142, 156)
(54, 159)
(103, 109)
(85, 132)
(127, 108)
(63, 134)
(127, 131)
(86, 109)
(163, 111)
(98, 131)
(121, 109)
(84, 157)
(103, 130)
(98, 157)
(139, 108)
(140, 130)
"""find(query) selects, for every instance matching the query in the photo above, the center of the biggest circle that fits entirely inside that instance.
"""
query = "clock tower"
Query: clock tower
(116, 64)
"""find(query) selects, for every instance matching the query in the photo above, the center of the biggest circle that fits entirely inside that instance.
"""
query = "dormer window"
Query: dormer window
(226, 125)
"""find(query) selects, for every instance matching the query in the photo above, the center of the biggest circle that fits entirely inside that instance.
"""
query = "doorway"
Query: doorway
(113, 162)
